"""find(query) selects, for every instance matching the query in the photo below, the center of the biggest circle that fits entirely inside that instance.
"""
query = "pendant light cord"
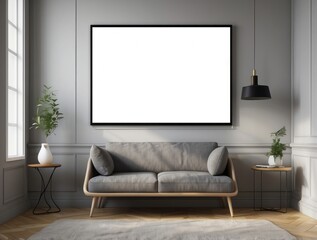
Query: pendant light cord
(255, 91)
(253, 34)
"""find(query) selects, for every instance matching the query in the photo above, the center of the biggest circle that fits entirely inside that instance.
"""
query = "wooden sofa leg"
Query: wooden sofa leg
(99, 202)
(230, 206)
(93, 204)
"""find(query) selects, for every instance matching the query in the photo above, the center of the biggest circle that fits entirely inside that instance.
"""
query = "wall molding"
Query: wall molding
(231, 145)
(83, 148)
(304, 145)
(306, 206)
(8, 213)
(17, 196)
(304, 157)
(305, 150)
(305, 140)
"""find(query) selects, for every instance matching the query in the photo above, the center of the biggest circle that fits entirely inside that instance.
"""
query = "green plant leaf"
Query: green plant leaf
(277, 147)
(47, 112)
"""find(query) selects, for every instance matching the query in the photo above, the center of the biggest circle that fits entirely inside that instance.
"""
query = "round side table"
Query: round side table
(279, 170)
(44, 187)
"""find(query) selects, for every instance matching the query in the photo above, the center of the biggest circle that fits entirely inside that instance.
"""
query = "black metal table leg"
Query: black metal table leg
(280, 190)
(277, 169)
(254, 195)
(43, 195)
(261, 191)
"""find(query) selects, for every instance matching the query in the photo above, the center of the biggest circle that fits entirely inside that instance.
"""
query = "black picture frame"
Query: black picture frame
(158, 123)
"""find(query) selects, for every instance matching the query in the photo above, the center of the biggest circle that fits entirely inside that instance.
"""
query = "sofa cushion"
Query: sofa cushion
(101, 160)
(160, 156)
(193, 181)
(217, 161)
(124, 182)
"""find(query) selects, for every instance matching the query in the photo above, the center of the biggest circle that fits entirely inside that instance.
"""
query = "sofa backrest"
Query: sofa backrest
(160, 156)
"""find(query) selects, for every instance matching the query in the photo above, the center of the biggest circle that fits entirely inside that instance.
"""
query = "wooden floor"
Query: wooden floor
(27, 224)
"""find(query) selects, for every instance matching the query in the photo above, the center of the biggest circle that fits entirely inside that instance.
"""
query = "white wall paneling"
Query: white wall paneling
(52, 61)
(313, 178)
(313, 66)
(304, 146)
(60, 56)
(302, 68)
(248, 114)
(304, 71)
(305, 181)
(53, 39)
(14, 183)
(301, 175)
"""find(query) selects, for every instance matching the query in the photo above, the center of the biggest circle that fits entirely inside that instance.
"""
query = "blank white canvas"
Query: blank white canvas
(161, 75)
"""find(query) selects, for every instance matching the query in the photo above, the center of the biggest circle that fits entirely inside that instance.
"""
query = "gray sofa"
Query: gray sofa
(159, 169)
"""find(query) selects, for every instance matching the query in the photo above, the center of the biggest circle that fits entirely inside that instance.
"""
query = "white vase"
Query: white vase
(279, 161)
(275, 161)
(45, 156)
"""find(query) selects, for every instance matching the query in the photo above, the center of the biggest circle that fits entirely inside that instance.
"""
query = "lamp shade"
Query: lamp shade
(255, 91)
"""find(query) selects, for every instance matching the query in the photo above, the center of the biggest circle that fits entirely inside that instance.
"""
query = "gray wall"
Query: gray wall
(60, 56)
(13, 177)
(304, 116)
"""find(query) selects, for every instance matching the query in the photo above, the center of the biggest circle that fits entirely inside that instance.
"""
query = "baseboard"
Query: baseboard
(306, 207)
(13, 210)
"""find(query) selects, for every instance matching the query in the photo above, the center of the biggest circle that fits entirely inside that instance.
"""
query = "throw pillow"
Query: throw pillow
(217, 161)
(101, 160)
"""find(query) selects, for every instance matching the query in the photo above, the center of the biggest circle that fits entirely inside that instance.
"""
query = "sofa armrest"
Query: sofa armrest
(89, 174)
(232, 175)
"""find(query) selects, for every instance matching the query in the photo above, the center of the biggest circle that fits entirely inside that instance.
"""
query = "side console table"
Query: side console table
(262, 170)
(44, 187)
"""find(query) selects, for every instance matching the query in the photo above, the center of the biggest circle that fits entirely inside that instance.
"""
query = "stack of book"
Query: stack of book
(267, 166)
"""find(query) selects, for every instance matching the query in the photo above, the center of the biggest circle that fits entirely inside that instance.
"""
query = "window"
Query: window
(15, 80)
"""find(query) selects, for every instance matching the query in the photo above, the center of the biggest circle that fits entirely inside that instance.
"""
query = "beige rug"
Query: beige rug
(162, 230)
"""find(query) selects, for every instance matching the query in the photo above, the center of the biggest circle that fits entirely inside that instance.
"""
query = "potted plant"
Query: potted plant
(46, 119)
(277, 148)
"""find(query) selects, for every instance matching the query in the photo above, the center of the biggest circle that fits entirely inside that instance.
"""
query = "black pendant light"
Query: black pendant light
(255, 91)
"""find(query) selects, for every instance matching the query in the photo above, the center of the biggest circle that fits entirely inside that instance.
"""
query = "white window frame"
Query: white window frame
(20, 85)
